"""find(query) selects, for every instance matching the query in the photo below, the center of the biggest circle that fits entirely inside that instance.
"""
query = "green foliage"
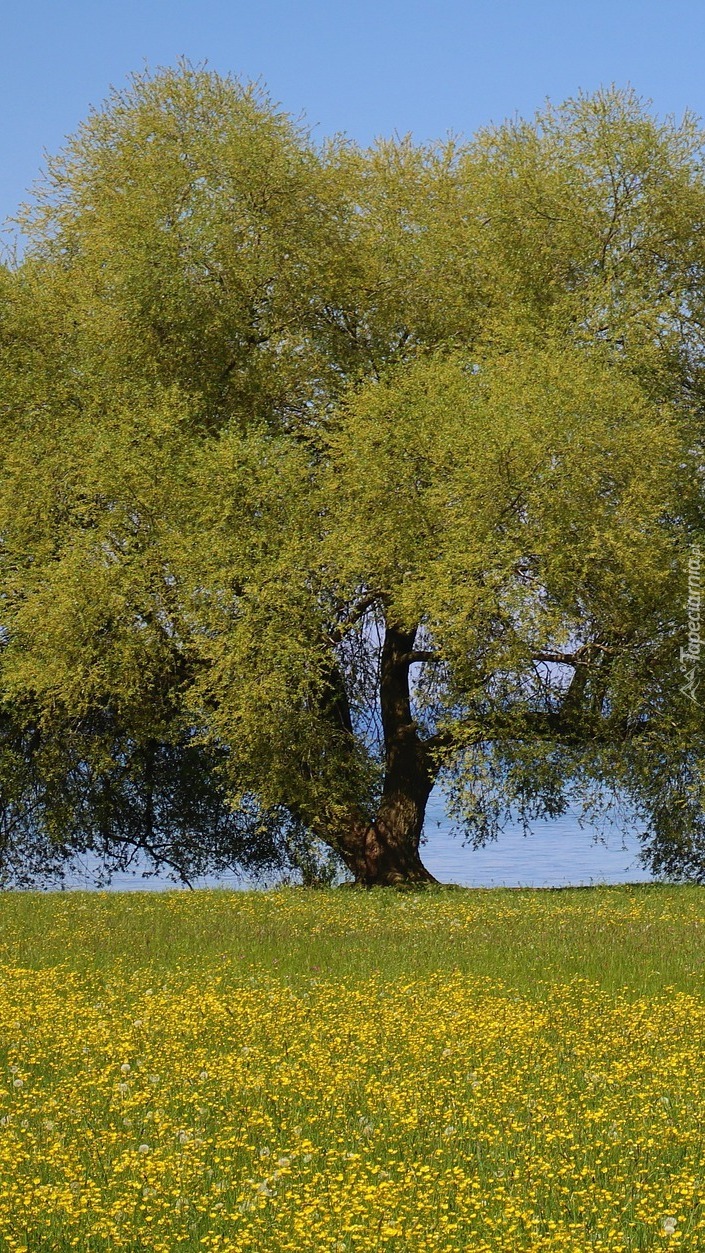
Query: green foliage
(262, 401)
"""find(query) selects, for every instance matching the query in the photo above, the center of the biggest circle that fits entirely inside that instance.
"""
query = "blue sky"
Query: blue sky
(368, 67)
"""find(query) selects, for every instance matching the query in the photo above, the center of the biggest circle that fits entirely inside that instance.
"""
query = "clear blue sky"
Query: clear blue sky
(368, 67)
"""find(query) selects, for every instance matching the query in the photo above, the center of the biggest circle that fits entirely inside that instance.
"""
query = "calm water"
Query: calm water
(556, 854)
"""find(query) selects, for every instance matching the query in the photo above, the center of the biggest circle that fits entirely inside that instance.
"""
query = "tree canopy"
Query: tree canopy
(329, 472)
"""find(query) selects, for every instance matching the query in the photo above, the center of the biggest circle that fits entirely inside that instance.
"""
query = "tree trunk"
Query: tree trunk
(376, 860)
(386, 851)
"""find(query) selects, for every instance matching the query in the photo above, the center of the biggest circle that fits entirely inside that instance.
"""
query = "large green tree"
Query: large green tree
(330, 472)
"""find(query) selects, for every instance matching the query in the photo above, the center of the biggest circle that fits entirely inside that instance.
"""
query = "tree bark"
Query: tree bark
(385, 851)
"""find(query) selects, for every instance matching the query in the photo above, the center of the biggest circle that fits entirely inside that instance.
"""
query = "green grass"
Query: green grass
(304, 1071)
(644, 937)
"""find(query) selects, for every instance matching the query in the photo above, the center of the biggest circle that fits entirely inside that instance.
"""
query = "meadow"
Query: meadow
(300, 1071)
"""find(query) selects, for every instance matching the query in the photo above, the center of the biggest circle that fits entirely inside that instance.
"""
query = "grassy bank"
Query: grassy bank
(306, 1071)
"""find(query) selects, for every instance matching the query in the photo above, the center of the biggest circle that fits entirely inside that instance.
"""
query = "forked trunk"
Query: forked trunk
(385, 851)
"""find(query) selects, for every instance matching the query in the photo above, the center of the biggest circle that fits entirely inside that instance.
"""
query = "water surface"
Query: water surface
(556, 854)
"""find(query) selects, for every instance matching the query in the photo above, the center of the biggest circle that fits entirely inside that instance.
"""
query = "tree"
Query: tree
(341, 471)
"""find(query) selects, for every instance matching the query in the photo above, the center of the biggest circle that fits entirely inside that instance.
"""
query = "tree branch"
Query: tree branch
(417, 654)
(561, 659)
(338, 632)
(581, 656)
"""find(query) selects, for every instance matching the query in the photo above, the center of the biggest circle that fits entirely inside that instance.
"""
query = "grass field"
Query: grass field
(309, 1071)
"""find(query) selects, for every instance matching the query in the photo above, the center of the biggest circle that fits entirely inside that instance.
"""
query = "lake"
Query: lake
(556, 854)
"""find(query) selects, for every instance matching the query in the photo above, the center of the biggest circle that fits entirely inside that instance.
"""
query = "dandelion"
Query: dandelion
(365, 1137)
